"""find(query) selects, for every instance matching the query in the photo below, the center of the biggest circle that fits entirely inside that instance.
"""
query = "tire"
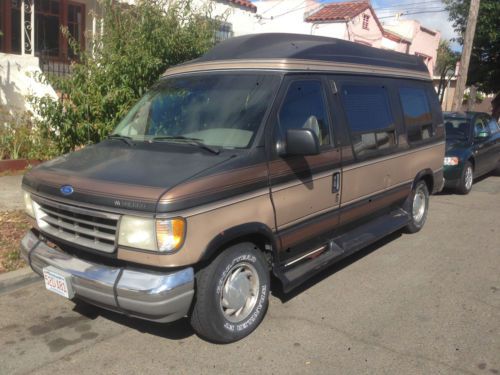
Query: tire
(241, 267)
(418, 204)
(465, 185)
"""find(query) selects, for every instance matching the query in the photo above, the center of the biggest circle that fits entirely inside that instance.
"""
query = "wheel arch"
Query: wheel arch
(426, 175)
(258, 233)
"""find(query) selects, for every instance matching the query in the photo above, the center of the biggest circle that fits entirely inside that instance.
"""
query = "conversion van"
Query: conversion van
(272, 155)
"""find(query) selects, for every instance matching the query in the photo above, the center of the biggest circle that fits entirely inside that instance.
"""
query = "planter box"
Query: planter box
(17, 165)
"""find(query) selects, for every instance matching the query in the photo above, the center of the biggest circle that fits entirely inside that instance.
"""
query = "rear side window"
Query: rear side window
(417, 113)
(304, 107)
(370, 118)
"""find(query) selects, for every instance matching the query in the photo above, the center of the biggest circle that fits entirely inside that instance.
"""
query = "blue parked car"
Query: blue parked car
(472, 148)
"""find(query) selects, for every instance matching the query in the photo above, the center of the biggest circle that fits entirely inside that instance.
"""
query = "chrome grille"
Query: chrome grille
(84, 227)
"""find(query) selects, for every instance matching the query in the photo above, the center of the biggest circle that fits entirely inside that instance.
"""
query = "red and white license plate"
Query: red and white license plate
(58, 281)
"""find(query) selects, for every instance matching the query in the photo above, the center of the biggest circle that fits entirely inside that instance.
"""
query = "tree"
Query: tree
(484, 69)
(139, 42)
(446, 61)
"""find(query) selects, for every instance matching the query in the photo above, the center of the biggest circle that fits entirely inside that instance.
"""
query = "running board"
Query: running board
(297, 271)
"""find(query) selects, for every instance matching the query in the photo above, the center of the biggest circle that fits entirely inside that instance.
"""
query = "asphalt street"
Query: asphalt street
(427, 303)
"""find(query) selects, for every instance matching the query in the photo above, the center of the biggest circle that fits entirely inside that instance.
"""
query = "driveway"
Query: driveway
(412, 304)
(11, 197)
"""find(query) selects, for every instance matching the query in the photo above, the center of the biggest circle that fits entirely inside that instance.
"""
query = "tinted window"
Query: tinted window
(369, 117)
(367, 108)
(304, 107)
(457, 128)
(223, 110)
(417, 113)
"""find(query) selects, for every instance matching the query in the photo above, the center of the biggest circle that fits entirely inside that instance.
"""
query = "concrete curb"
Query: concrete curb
(10, 281)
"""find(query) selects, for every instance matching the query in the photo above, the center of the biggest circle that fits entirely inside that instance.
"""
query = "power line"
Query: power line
(408, 4)
(410, 13)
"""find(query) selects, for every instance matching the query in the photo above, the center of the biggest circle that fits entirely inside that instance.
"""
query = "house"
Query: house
(32, 41)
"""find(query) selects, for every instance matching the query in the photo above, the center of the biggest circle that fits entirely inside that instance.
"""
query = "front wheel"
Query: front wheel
(418, 207)
(466, 179)
(232, 294)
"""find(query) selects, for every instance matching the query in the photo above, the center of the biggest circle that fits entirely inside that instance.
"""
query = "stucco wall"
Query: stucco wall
(277, 16)
(18, 80)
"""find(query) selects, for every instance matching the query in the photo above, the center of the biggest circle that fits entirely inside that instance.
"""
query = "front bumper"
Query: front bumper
(157, 296)
(452, 175)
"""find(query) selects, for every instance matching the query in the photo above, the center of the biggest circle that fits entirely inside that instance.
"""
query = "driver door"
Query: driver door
(305, 189)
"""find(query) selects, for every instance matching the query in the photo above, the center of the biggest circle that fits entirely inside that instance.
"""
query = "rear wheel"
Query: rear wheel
(231, 294)
(466, 179)
(418, 207)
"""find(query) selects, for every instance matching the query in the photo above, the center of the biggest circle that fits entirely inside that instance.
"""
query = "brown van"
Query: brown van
(271, 155)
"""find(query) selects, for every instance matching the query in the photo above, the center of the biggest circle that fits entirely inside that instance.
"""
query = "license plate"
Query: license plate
(58, 281)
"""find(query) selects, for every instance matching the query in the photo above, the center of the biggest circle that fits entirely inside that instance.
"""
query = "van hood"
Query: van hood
(114, 174)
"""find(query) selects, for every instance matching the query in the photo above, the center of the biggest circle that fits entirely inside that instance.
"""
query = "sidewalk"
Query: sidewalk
(11, 197)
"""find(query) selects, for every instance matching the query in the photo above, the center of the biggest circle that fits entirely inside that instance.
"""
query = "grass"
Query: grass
(13, 225)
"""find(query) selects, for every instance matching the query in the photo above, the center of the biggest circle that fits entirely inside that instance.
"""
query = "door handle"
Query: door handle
(336, 182)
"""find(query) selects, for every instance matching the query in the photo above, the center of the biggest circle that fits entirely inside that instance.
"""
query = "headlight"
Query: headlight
(164, 235)
(451, 160)
(28, 204)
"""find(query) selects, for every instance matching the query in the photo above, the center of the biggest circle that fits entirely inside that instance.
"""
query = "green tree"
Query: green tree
(445, 62)
(484, 69)
(137, 45)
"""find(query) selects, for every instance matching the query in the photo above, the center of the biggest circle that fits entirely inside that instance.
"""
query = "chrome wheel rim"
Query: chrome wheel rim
(240, 292)
(469, 178)
(418, 205)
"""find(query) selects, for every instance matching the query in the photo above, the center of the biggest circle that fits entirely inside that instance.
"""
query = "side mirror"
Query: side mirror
(482, 135)
(301, 142)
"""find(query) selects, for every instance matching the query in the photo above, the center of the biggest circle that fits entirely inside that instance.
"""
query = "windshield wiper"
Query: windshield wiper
(192, 141)
(124, 138)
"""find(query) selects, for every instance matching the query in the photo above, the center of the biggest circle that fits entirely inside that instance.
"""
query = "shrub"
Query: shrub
(21, 139)
(138, 44)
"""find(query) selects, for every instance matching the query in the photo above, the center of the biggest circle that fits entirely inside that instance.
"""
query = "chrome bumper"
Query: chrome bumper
(162, 297)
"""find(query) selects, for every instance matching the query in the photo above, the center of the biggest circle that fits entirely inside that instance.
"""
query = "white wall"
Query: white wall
(278, 16)
(331, 29)
(242, 19)
(18, 80)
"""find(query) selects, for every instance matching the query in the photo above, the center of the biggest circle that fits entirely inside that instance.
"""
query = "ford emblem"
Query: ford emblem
(66, 190)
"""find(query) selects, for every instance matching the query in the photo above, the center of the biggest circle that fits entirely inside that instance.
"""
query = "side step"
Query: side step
(339, 247)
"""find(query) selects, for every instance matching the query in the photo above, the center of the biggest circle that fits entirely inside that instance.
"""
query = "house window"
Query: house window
(366, 19)
(76, 22)
(225, 31)
(47, 26)
(369, 118)
(50, 15)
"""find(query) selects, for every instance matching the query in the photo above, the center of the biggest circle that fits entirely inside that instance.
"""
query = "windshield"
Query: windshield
(222, 110)
(457, 128)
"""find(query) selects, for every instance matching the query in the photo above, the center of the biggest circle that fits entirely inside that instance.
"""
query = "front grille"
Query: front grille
(81, 226)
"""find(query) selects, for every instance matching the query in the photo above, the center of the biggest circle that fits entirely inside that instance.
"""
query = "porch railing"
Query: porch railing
(53, 65)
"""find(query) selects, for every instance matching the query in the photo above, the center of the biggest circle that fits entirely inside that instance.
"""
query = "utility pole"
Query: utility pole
(466, 51)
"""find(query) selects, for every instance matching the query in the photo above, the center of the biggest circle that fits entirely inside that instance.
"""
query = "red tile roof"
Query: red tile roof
(245, 4)
(338, 11)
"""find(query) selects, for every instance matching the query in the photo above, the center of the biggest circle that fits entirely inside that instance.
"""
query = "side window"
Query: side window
(417, 114)
(480, 127)
(493, 125)
(369, 117)
(304, 107)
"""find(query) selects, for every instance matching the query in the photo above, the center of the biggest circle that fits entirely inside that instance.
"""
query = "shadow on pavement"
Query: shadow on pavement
(277, 291)
(177, 330)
